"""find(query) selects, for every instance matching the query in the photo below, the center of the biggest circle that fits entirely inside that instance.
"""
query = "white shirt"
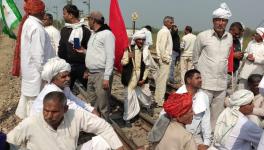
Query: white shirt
(187, 44)
(256, 67)
(54, 35)
(210, 56)
(164, 45)
(72, 101)
(36, 49)
(148, 36)
(243, 135)
(36, 134)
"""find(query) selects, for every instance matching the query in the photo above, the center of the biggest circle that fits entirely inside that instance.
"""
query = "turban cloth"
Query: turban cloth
(53, 67)
(222, 12)
(138, 35)
(228, 118)
(30, 7)
(178, 104)
(260, 31)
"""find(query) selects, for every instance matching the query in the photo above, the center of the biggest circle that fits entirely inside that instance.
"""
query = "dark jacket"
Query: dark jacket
(66, 51)
(176, 41)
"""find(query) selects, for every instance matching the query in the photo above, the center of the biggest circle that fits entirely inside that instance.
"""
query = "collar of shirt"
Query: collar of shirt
(36, 19)
(215, 34)
(164, 27)
(56, 87)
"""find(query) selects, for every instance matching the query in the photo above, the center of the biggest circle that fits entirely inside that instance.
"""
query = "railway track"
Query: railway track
(135, 137)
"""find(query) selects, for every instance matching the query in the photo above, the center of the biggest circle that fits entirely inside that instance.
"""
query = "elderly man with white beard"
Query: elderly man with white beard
(56, 72)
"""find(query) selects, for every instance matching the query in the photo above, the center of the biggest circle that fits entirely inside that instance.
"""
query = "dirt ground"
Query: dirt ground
(9, 85)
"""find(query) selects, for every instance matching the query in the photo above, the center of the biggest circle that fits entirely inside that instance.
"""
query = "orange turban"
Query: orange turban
(178, 104)
(34, 6)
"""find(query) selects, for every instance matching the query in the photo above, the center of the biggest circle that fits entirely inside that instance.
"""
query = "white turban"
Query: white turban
(228, 118)
(53, 67)
(260, 31)
(138, 35)
(222, 12)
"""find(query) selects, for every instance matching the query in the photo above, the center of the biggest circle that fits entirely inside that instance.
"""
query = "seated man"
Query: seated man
(56, 72)
(201, 125)
(233, 129)
(134, 77)
(57, 128)
(179, 109)
(258, 101)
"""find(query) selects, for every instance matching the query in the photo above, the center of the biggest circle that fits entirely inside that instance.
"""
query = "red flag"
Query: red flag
(118, 28)
(231, 60)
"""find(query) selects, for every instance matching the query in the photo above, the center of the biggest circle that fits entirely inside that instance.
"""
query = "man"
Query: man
(74, 29)
(258, 101)
(187, 45)
(34, 46)
(164, 50)
(54, 33)
(176, 52)
(200, 127)
(58, 128)
(233, 130)
(56, 72)
(100, 62)
(253, 57)
(134, 78)
(236, 54)
(179, 109)
(210, 54)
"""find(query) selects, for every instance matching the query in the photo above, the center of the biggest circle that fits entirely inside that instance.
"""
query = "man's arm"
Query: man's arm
(93, 124)
(197, 49)
(110, 55)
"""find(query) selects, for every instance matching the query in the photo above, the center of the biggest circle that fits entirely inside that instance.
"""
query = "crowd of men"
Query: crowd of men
(202, 114)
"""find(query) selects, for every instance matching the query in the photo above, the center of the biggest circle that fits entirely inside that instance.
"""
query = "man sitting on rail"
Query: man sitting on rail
(58, 128)
(134, 77)
(178, 108)
(56, 72)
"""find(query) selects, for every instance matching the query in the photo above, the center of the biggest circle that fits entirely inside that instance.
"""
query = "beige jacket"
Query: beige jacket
(176, 137)
(210, 56)
(164, 45)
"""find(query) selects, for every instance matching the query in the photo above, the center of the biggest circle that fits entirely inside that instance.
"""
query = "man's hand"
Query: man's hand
(106, 85)
(80, 50)
(238, 55)
(203, 147)
(140, 83)
(96, 112)
(86, 74)
(251, 58)
(131, 55)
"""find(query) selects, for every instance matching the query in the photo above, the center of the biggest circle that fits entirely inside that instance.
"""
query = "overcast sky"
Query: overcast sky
(197, 13)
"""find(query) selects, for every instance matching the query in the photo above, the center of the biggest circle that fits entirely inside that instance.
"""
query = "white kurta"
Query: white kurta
(256, 67)
(36, 49)
(54, 35)
(164, 45)
(72, 101)
(36, 134)
(210, 55)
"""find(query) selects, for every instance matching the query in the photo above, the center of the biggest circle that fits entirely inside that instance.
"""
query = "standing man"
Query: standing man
(74, 29)
(187, 45)
(54, 33)
(210, 55)
(33, 45)
(100, 62)
(176, 52)
(164, 50)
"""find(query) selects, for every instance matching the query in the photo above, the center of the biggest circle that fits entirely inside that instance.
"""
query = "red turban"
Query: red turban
(31, 7)
(34, 6)
(178, 104)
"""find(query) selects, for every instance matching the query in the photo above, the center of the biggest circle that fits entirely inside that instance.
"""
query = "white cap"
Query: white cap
(222, 12)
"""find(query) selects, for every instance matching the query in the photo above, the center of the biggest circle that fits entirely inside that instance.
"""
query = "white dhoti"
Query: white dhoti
(133, 96)
(96, 143)
(24, 106)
